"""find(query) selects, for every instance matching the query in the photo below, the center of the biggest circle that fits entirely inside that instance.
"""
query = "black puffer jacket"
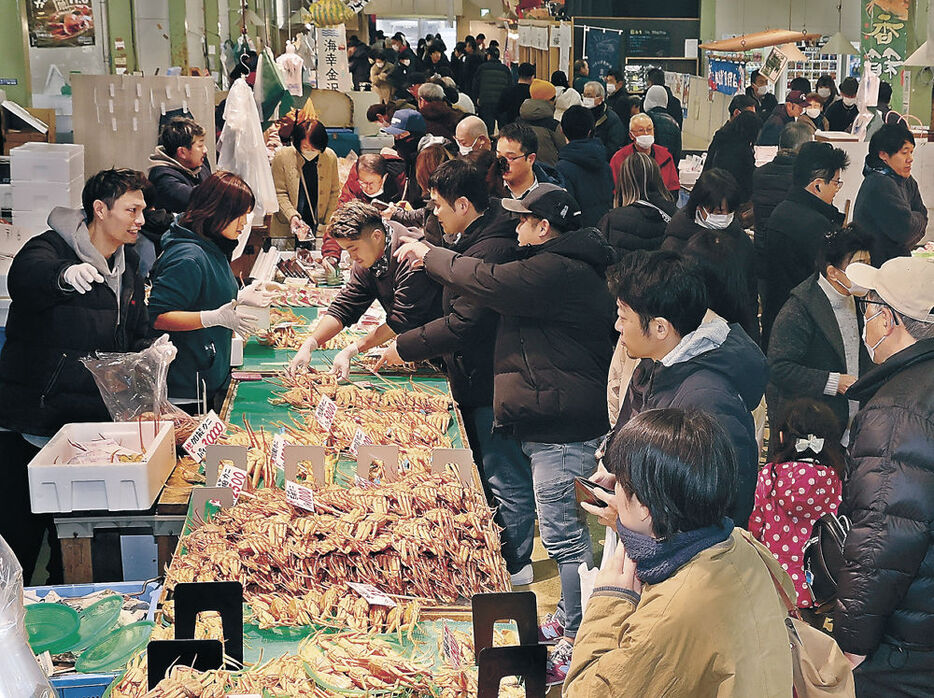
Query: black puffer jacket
(890, 208)
(554, 343)
(466, 332)
(770, 185)
(730, 152)
(638, 226)
(489, 82)
(886, 587)
(587, 177)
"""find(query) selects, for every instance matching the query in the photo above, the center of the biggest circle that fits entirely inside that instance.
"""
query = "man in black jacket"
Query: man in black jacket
(798, 225)
(465, 336)
(515, 94)
(491, 79)
(656, 76)
(884, 616)
(793, 107)
(552, 357)
(75, 290)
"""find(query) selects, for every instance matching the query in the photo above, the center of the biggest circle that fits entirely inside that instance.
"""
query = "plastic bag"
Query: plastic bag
(20, 673)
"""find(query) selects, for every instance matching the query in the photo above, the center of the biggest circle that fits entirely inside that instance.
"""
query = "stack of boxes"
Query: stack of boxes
(43, 176)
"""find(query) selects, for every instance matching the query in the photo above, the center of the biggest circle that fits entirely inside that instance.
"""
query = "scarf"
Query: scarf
(657, 560)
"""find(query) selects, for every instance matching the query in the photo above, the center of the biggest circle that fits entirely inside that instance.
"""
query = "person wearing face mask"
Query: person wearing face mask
(407, 127)
(759, 91)
(642, 135)
(797, 226)
(380, 75)
(783, 114)
(827, 89)
(889, 203)
(607, 125)
(667, 131)
(471, 135)
(885, 610)
(307, 185)
(841, 114)
(815, 350)
(813, 116)
(616, 94)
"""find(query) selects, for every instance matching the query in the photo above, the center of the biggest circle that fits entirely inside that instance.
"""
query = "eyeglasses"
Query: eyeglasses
(862, 303)
(837, 182)
(512, 158)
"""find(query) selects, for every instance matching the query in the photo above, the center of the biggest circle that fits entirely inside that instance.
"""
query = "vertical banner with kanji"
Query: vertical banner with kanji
(884, 41)
(333, 72)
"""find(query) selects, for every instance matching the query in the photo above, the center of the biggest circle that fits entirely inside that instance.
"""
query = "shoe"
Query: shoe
(559, 663)
(523, 577)
(551, 631)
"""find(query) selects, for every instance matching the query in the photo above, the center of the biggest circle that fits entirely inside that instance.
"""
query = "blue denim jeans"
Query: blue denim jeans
(561, 520)
(507, 479)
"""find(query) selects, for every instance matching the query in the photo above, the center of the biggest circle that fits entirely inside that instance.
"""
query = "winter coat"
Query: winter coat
(772, 128)
(766, 103)
(554, 341)
(171, 186)
(50, 327)
(770, 185)
(886, 586)
(587, 178)
(441, 119)
(731, 153)
(408, 296)
(719, 369)
(839, 116)
(890, 208)
(714, 629)
(359, 64)
(540, 115)
(667, 132)
(794, 235)
(609, 129)
(790, 497)
(666, 164)
(674, 108)
(805, 347)
(490, 79)
(193, 274)
(287, 176)
(546, 174)
(465, 334)
(381, 79)
(510, 102)
(638, 226)
(471, 63)
(818, 124)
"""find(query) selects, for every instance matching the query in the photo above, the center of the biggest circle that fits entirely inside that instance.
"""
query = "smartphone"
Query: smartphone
(584, 490)
(379, 205)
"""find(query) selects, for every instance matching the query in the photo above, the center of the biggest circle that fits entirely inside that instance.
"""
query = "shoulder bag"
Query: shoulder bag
(823, 553)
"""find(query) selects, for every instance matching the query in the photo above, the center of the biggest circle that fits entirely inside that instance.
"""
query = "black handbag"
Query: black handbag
(823, 555)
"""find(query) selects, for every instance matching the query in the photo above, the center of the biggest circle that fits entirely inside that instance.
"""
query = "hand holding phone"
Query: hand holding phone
(584, 490)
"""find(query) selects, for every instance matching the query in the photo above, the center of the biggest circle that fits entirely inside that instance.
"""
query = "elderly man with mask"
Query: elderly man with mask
(471, 135)
(667, 131)
(607, 125)
(642, 133)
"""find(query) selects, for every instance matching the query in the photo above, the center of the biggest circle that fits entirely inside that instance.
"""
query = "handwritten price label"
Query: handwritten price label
(277, 451)
(234, 478)
(325, 412)
(360, 438)
(373, 596)
(299, 496)
(205, 434)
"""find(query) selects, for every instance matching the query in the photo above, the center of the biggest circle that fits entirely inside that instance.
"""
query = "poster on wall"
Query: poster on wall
(774, 65)
(884, 41)
(726, 77)
(601, 50)
(333, 71)
(60, 23)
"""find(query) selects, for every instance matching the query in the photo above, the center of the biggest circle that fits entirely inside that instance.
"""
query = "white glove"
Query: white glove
(301, 359)
(341, 367)
(255, 295)
(81, 276)
(231, 317)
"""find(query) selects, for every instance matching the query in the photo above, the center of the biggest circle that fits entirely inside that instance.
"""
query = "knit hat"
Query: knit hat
(655, 96)
(567, 99)
(541, 89)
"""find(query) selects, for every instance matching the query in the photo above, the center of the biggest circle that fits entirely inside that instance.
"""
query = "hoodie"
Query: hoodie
(173, 182)
(70, 224)
(890, 208)
(555, 336)
(540, 115)
(719, 369)
(587, 177)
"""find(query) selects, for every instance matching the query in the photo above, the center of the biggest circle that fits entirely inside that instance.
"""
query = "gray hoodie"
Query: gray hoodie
(160, 157)
(71, 225)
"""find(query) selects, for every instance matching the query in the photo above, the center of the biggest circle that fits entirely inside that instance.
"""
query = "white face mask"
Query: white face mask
(406, 61)
(762, 90)
(467, 149)
(380, 64)
(610, 88)
(713, 221)
(309, 154)
(645, 142)
(849, 101)
(812, 112)
(587, 102)
(871, 349)
(824, 92)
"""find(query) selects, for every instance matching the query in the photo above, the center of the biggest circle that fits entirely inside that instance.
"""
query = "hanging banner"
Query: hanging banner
(60, 23)
(884, 41)
(725, 76)
(333, 72)
(602, 51)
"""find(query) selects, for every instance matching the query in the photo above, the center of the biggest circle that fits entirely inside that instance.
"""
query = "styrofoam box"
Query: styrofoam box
(42, 197)
(47, 162)
(56, 487)
(373, 144)
(28, 224)
(6, 196)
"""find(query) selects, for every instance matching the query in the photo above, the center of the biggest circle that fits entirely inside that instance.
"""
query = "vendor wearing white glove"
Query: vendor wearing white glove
(258, 294)
(194, 293)
(408, 296)
(79, 277)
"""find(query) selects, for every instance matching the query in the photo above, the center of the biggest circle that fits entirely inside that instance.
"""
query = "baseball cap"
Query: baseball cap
(797, 97)
(548, 202)
(406, 120)
(541, 89)
(905, 283)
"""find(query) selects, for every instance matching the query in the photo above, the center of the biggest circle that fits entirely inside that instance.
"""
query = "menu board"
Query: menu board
(648, 42)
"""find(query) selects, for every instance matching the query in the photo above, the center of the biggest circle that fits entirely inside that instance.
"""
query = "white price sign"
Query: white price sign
(360, 438)
(205, 434)
(299, 496)
(277, 451)
(373, 596)
(325, 412)
(234, 478)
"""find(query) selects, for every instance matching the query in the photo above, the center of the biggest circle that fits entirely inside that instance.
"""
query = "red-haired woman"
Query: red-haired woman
(194, 292)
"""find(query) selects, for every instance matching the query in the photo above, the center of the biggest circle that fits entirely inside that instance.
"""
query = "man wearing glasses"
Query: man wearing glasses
(515, 155)
(884, 615)
(798, 225)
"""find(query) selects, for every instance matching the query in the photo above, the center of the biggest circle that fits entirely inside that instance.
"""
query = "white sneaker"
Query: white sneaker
(523, 577)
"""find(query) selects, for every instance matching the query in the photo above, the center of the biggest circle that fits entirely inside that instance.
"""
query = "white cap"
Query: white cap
(905, 283)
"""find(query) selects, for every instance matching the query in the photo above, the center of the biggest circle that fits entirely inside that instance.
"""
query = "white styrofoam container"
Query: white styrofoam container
(28, 224)
(6, 196)
(55, 487)
(373, 144)
(47, 162)
(42, 197)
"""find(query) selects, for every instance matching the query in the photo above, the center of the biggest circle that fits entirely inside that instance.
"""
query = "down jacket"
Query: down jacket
(890, 208)
(886, 587)
(540, 115)
(639, 226)
(770, 185)
(554, 342)
(587, 177)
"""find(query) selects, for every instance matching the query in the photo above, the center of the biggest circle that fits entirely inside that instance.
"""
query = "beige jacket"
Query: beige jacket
(714, 628)
(286, 175)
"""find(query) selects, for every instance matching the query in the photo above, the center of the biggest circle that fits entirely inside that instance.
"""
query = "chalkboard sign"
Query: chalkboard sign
(648, 42)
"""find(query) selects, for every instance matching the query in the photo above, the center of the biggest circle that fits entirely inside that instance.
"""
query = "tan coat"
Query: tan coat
(714, 628)
(286, 175)
(379, 78)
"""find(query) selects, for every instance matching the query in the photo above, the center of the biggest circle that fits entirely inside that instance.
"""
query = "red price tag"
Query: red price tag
(325, 412)
(299, 496)
(360, 438)
(234, 478)
(211, 429)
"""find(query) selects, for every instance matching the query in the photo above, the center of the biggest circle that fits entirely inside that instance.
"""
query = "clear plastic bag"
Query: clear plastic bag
(20, 673)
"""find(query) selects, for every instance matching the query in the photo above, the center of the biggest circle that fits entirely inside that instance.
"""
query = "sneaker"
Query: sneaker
(523, 577)
(551, 631)
(559, 663)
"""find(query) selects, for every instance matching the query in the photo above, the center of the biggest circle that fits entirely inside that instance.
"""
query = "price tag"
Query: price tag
(299, 496)
(277, 451)
(234, 478)
(325, 412)
(450, 646)
(205, 434)
(373, 596)
(360, 438)
(363, 483)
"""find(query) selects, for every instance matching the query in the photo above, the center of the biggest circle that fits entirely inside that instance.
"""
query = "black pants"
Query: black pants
(20, 528)
(895, 672)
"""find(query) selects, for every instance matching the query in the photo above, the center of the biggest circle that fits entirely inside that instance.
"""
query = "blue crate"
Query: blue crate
(93, 685)
(343, 140)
